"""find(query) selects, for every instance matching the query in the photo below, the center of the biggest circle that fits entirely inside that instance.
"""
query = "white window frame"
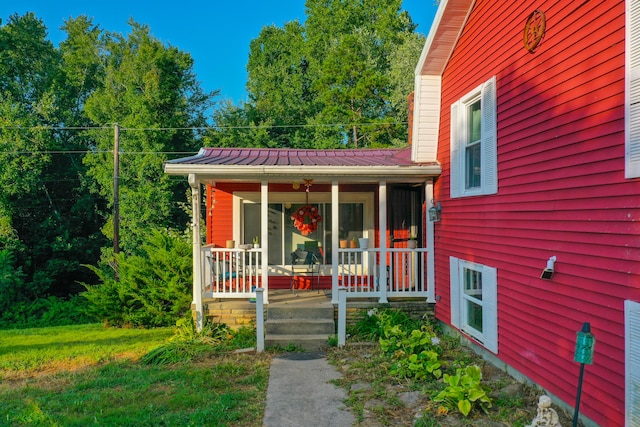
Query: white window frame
(366, 198)
(632, 362)
(632, 91)
(488, 337)
(486, 92)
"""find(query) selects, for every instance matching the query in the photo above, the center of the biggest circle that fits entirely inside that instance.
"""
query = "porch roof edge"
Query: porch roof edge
(262, 172)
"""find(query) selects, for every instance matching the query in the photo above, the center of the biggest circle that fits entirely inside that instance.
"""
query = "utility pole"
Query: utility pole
(116, 190)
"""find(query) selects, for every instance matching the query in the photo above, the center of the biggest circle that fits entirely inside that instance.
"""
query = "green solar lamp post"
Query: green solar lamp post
(585, 343)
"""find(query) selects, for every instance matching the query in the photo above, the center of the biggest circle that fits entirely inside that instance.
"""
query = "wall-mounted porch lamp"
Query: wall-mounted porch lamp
(548, 272)
(435, 211)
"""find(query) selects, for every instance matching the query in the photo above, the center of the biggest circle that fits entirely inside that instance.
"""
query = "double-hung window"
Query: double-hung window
(473, 142)
(355, 220)
(474, 301)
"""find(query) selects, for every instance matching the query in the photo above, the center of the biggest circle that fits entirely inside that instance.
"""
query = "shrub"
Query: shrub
(11, 281)
(152, 289)
(44, 312)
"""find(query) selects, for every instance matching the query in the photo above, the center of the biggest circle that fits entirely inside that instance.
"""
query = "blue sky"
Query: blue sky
(215, 32)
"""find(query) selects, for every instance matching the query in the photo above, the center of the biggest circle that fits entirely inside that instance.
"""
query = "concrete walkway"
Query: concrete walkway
(300, 393)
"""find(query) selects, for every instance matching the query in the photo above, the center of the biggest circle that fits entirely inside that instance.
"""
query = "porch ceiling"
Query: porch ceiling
(283, 165)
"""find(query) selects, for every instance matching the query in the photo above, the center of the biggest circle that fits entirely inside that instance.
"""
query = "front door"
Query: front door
(405, 223)
(405, 214)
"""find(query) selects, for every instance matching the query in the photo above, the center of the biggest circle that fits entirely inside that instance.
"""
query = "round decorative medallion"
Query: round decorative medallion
(534, 30)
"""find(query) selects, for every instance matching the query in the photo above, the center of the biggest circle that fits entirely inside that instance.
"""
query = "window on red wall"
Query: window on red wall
(474, 142)
(285, 238)
(474, 301)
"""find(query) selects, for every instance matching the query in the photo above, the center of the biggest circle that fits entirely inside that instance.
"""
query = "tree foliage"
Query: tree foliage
(340, 79)
(150, 90)
(154, 288)
(57, 111)
(335, 81)
(46, 219)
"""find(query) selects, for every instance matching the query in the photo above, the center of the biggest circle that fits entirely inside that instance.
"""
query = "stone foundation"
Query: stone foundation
(238, 313)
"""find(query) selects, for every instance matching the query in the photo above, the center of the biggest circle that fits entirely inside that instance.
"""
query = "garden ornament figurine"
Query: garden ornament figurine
(546, 416)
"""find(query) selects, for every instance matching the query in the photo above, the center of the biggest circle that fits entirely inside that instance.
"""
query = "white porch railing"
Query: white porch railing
(231, 273)
(361, 272)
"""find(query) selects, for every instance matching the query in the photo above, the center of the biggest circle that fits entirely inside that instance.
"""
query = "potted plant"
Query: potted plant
(344, 243)
(364, 242)
(412, 243)
(256, 242)
(354, 243)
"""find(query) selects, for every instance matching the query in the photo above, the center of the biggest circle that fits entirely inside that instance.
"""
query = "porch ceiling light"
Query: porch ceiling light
(435, 211)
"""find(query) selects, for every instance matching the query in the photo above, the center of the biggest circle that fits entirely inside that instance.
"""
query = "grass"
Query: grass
(25, 352)
(89, 375)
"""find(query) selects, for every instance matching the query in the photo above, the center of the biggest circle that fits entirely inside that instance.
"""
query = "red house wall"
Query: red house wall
(220, 211)
(561, 192)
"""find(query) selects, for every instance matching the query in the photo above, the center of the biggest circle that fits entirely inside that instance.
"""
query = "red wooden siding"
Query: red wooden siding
(220, 211)
(561, 192)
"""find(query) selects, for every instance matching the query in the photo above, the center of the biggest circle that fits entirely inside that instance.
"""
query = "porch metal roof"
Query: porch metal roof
(233, 164)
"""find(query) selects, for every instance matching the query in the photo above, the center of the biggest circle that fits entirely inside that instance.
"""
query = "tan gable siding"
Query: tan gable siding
(426, 120)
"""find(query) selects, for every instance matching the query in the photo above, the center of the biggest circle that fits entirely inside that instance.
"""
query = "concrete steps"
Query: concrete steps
(305, 326)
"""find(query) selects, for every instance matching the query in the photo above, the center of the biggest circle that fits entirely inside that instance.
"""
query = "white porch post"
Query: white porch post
(431, 274)
(197, 256)
(382, 227)
(335, 240)
(264, 237)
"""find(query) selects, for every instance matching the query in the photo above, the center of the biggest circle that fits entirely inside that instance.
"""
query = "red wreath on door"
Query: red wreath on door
(306, 218)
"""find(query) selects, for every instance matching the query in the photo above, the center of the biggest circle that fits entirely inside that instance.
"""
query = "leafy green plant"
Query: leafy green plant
(464, 391)
(373, 322)
(332, 341)
(153, 289)
(416, 353)
(244, 337)
(187, 343)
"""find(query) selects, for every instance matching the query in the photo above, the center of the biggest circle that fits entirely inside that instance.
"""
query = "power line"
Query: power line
(200, 128)
(122, 152)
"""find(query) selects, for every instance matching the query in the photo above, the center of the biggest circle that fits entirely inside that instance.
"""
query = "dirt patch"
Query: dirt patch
(379, 399)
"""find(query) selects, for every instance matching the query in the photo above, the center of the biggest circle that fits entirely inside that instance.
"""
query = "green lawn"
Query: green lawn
(89, 375)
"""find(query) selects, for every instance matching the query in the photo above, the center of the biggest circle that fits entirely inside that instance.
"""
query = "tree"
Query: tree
(56, 179)
(42, 210)
(150, 90)
(329, 83)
